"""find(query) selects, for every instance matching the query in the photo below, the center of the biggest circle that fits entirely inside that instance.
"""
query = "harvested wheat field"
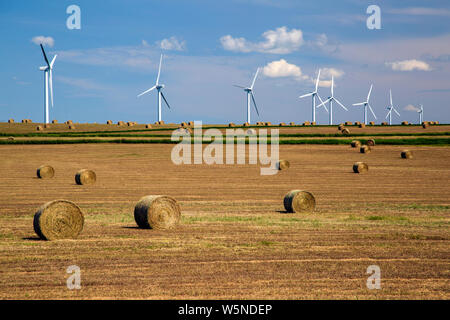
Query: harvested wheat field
(235, 239)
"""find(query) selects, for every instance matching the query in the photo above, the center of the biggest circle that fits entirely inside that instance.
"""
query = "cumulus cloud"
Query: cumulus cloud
(327, 73)
(278, 41)
(409, 65)
(46, 41)
(283, 69)
(410, 107)
(172, 43)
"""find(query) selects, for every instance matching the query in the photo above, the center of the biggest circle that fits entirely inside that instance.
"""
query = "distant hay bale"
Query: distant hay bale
(345, 131)
(40, 128)
(157, 212)
(357, 123)
(282, 124)
(283, 165)
(85, 176)
(130, 124)
(109, 122)
(425, 125)
(55, 121)
(120, 123)
(148, 126)
(371, 143)
(340, 127)
(407, 154)
(11, 138)
(360, 167)
(59, 219)
(11, 121)
(430, 123)
(268, 124)
(349, 123)
(362, 125)
(364, 149)
(184, 124)
(405, 123)
(162, 122)
(384, 123)
(356, 144)
(191, 123)
(299, 201)
(72, 127)
(313, 123)
(231, 124)
(246, 124)
(69, 122)
(183, 130)
(24, 120)
(292, 123)
(45, 172)
(372, 123)
(47, 126)
(306, 123)
(436, 122)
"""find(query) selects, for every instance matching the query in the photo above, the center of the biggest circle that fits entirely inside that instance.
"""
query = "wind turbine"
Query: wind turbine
(48, 71)
(330, 100)
(390, 108)
(313, 95)
(420, 114)
(249, 91)
(158, 87)
(366, 104)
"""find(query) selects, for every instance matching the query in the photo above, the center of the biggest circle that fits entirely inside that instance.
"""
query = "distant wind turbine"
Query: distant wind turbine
(420, 114)
(159, 88)
(366, 104)
(48, 77)
(313, 95)
(249, 91)
(330, 100)
(390, 108)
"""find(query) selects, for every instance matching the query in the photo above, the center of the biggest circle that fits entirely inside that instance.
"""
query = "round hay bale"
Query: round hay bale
(356, 144)
(292, 123)
(299, 201)
(55, 121)
(360, 167)
(436, 122)
(24, 121)
(349, 123)
(364, 149)
(191, 123)
(371, 143)
(407, 154)
(47, 126)
(282, 124)
(425, 125)
(340, 127)
(362, 125)
(11, 138)
(313, 123)
(130, 124)
(246, 124)
(69, 122)
(184, 124)
(11, 121)
(345, 131)
(357, 123)
(430, 122)
(120, 123)
(405, 123)
(59, 219)
(157, 212)
(29, 121)
(85, 176)
(72, 127)
(283, 165)
(306, 123)
(162, 122)
(231, 124)
(268, 124)
(384, 123)
(109, 122)
(148, 126)
(45, 172)
(372, 123)
(40, 128)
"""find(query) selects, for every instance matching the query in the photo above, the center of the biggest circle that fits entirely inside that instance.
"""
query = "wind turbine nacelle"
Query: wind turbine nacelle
(43, 68)
(160, 86)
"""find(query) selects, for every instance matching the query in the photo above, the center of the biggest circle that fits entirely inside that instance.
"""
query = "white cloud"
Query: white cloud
(145, 43)
(281, 68)
(46, 41)
(409, 65)
(278, 41)
(172, 43)
(421, 11)
(327, 73)
(410, 107)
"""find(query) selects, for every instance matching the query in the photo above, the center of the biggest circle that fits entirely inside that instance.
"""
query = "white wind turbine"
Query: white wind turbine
(366, 104)
(249, 91)
(313, 95)
(420, 114)
(158, 87)
(48, 77)
(390, 108)
(330, 100)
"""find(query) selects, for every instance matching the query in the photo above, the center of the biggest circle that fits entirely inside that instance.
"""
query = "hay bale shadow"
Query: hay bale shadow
(34, 238)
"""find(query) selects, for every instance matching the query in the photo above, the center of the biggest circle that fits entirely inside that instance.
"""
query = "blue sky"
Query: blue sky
(211, 45)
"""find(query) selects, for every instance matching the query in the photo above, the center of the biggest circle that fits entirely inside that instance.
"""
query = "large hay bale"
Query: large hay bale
(184, 124)
(436, 122)
(231, 125)
(11, 139)
(299, 201)
(69, 122)
(246, 124)
(357, 123)
(313, 123)
(40, 128)
(371, 143)
(306, 123)
(130, 124)
(341, 126)
(292, 123)
(425, 125)
(345, 131)
(355, 144)
(348, 123)
(364, 149)
(191, 123)
(72, 127)
(85, 176)
(157, 212)
(283, 165)
(24, 121)
(407, 154)
(148, 126)
(59, 219)
(282, 124)
(360, 167)
(431, 122)
(372, 123)
(404, 123)
(268, 124)
(11, 121)
(109, 122)
(384, 123)
(55, 121)
(362, 125)
(120, 123)
(45, 172)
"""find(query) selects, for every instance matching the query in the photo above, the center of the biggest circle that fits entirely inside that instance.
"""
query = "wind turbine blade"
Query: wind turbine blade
(306, 95)
(159, 70)
(152, 88)
(340, 104)
(370, 91)
(388, 113)
(370, 108)
(396, 112)
(390, 96)
(332, 86)
(254, 103)
(322, 103)
(317, 81)
(45, 56)
(235, 85)
(53, 61)
(254, 79)
(51, 85)
(162, 95)
(359, 104)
